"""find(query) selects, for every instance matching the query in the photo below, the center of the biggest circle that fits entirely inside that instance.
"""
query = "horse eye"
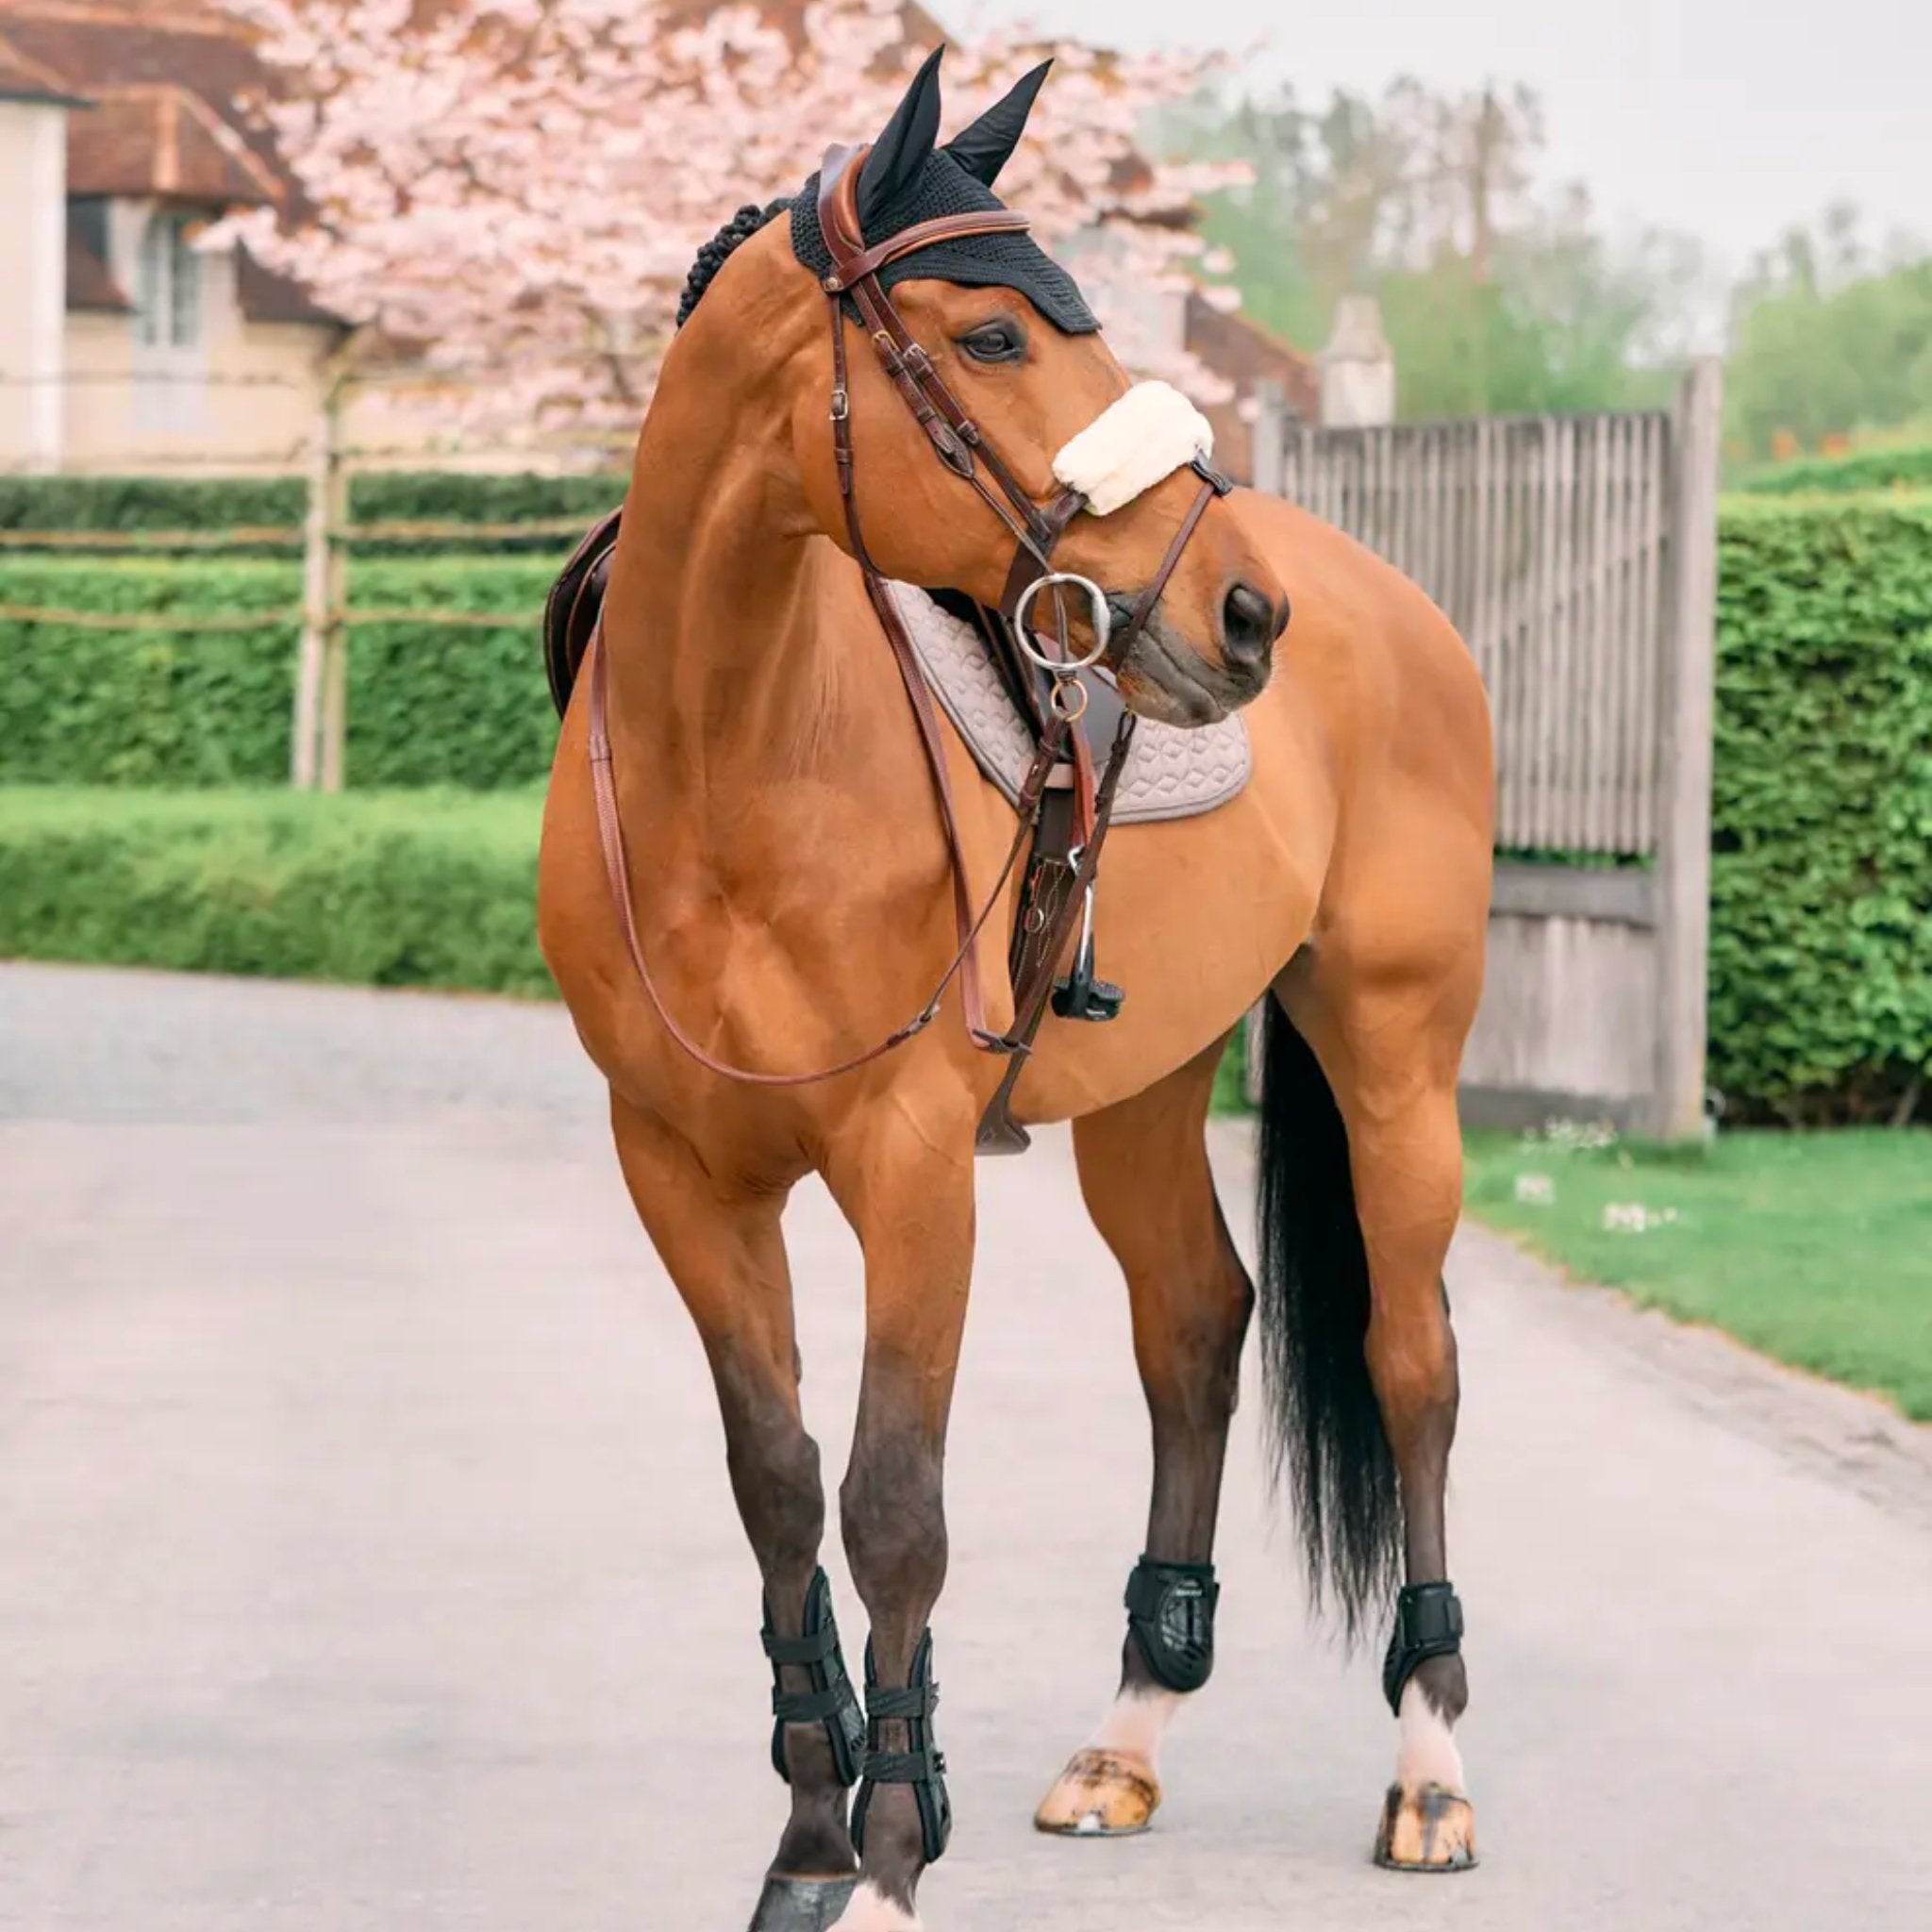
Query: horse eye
(995, 341)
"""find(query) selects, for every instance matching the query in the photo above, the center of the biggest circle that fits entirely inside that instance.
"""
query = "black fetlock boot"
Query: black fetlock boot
(921, 1764)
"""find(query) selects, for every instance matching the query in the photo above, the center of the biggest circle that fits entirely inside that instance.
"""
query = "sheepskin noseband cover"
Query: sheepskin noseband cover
(1148, 434)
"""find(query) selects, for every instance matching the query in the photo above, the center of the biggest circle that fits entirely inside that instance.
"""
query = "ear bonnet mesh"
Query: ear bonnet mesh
(942, 187)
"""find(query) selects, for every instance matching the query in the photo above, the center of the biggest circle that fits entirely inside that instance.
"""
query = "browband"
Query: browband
(998, 220)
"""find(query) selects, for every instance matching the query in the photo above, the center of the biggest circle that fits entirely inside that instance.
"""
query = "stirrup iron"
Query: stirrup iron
(1080, 995)
(831, 1700)
(921, 1764)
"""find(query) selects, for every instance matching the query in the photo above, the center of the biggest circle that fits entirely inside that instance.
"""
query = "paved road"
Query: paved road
(366, 1560)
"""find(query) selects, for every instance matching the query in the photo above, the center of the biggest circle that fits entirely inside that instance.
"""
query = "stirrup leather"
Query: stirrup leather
(1428, 1623)
(831, 1700)
(921, 1764)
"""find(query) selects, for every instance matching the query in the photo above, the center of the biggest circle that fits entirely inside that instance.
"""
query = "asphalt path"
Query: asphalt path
(367, 1560)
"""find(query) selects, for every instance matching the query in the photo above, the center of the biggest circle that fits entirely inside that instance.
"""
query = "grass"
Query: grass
(1814, 1248)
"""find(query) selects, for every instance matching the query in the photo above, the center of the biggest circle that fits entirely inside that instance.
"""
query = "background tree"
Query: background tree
(1832, 341)
(515, 190)
(1497, 296)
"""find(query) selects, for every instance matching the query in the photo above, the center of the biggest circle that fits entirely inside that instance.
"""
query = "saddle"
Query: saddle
(1070, 809)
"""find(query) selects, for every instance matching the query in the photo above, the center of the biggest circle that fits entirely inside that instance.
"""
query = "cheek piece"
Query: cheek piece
(1134, 444)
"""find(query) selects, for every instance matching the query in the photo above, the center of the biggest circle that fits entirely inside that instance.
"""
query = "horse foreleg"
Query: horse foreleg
(909, 1195)
(1145, 1173)
(725, 1253)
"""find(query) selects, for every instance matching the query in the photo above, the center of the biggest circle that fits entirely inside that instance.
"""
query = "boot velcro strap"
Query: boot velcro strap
(905, 1767)
(811, 1706)
(917, 1700)
(814, 1648)
(1428, 1623)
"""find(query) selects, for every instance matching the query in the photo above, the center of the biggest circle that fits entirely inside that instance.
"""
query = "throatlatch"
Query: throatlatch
(1428, 1623)
(1170, 1611)
(831, 1700)
(921, 1764)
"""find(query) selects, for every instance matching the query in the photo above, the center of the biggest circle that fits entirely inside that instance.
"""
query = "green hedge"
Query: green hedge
(426, 890)
(130, 505)
(1820, 961)
(428, 705)
(1906, 468)
(1822, 896)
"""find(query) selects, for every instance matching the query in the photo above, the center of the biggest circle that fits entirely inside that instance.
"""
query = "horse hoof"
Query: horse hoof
(801, 1905)
(1100, 1794)
(1428, 1830)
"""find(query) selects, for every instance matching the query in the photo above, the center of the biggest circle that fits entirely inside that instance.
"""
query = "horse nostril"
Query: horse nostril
(1250, 623)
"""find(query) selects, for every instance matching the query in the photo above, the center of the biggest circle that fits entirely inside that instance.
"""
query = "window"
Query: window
(87, 222)
(168, 298)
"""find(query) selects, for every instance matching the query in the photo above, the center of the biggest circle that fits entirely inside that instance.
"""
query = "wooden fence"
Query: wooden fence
(1577, 557)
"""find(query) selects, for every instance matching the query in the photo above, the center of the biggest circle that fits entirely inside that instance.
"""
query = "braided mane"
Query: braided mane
(719, 250)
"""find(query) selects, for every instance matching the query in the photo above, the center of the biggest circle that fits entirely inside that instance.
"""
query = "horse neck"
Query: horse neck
(720, 675)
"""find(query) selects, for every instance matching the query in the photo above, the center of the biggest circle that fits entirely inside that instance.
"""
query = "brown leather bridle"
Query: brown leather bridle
(1036, 529)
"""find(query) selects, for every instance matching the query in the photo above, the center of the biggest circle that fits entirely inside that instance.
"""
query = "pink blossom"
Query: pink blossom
(513, 191)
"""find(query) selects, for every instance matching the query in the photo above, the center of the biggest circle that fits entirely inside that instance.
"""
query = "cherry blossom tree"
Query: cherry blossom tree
(511, 191)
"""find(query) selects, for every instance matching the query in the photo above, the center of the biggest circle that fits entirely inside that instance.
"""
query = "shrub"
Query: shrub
(428, 705)
(1822, 886)
(1907, 467)
(1821, 962)
(146, 707)
(424, 890)
(131, 505)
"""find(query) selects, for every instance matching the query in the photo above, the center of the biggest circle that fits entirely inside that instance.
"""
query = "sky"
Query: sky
(1730, 119)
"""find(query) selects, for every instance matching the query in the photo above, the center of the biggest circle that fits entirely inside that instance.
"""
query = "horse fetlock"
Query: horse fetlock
(1171, 1618)
(872, 1910)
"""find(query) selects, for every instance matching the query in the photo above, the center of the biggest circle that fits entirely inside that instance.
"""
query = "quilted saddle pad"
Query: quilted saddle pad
(1173, 772)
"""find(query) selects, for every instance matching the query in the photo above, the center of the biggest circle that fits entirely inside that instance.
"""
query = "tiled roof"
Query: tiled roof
(164, 140)
(165, 80)
(138, 49)
(23, 78)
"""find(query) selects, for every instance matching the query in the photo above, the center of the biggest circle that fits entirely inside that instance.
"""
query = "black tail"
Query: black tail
(1323, 1422)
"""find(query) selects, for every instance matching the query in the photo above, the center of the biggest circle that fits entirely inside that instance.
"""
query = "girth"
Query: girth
(1067, 798)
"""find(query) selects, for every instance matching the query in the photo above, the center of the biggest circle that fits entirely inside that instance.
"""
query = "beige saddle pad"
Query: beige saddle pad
(1172, 772)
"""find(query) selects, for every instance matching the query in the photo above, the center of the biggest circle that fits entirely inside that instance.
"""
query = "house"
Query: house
(122, 345)
(126, 346)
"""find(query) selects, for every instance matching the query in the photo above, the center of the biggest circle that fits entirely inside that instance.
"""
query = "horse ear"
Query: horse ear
(987, 146)
(907, 143)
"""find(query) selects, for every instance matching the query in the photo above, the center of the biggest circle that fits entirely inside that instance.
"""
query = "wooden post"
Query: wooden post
(1271, 428)
(1685, 708)
(323, 462)
(335, 681)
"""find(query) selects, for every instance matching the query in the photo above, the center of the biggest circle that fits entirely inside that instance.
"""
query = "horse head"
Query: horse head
(946, 305)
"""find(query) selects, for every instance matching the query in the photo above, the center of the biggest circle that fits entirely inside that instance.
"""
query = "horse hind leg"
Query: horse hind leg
(1145, 1174)
(728, 1258)
(1361, 1170)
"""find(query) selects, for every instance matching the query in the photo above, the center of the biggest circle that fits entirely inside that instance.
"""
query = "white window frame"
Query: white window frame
(171, 327)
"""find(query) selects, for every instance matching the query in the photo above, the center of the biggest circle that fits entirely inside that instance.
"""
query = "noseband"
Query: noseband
(1036, 530)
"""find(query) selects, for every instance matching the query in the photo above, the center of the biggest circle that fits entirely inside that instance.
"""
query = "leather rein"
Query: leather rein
(957, 441)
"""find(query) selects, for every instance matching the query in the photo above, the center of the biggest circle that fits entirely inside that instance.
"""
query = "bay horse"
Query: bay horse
(745, 889)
